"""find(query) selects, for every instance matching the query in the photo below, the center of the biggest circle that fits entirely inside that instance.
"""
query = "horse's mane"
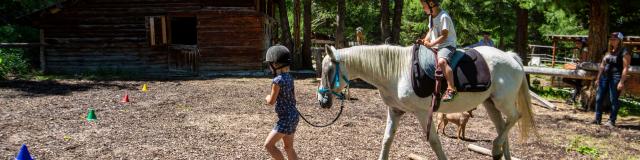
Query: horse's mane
(382, 61)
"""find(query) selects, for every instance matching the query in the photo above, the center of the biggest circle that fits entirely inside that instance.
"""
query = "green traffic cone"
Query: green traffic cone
(91, 116)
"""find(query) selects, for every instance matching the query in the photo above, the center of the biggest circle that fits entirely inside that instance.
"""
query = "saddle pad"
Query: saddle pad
(470, 70)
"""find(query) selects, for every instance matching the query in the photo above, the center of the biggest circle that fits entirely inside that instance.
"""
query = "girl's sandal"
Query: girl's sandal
(449, 95)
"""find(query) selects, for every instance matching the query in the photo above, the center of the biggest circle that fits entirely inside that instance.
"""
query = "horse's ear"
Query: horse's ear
(330, 51)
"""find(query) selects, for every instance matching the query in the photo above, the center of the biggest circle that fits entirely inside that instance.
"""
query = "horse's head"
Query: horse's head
(333, 79)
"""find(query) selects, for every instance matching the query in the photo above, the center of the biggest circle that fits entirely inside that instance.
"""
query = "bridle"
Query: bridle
(336, 81)
(339, 95)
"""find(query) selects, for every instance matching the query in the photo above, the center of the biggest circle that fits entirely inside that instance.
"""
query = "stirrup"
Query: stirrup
(449, 95)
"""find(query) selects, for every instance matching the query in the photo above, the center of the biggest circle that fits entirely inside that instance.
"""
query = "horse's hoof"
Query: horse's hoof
(497, 157)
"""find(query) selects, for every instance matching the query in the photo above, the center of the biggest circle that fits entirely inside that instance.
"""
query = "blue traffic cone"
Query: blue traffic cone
(23, 154)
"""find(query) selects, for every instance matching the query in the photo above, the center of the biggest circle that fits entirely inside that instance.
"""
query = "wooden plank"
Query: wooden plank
(164, 29)
(542, 101)
(565, 73)
(152, 31)
(43, 60)
(553, 53)
(484, 151)
(413, 156)
(96, 40)
(23, 45)
(255, 43)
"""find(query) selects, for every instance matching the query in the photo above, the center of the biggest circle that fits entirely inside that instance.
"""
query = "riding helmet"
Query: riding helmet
(278, 54)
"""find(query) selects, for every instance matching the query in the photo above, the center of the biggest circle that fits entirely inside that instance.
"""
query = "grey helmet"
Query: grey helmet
(278, 54)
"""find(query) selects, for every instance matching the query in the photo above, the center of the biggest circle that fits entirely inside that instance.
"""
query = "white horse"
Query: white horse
(388, 69)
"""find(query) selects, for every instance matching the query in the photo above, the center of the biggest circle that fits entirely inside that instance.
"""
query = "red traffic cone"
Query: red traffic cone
(125, 99)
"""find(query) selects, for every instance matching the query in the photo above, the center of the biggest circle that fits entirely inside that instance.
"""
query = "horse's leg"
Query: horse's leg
(512, 117)
(393, 119)
(434, 139)
(496, 118)
(502, 141)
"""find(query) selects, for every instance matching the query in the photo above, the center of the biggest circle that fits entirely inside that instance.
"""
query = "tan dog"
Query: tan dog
(460, 119)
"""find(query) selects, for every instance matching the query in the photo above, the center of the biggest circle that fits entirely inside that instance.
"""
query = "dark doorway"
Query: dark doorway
(184, 31)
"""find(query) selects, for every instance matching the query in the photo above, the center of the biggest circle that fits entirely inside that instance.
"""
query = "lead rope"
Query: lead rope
(340, 96)
(342, 99)
(325, 125)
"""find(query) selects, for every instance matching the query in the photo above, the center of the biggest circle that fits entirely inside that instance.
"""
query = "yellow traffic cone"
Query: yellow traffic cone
(144, 87)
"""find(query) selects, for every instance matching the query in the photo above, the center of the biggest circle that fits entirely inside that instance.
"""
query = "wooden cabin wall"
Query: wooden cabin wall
(230, 42)
(110, 35)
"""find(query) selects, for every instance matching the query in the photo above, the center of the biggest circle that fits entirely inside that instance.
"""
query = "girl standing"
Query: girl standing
(283, 96)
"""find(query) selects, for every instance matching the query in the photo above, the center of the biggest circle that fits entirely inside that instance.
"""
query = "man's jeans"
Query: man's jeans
(608, 84)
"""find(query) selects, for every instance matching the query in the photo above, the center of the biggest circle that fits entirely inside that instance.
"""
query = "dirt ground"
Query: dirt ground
(226, 118)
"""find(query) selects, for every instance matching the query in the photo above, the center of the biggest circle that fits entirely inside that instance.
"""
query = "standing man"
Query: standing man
(441, 36)
(485, 41)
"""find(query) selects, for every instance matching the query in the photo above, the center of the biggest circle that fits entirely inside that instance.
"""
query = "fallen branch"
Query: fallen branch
(483, 150)
(545, 103)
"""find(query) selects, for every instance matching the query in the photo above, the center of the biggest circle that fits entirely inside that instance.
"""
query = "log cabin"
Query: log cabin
(154, 37)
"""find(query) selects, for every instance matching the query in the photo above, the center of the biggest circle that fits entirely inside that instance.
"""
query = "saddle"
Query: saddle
(470, 70)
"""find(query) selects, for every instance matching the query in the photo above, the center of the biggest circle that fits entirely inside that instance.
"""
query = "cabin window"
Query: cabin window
(156, 30)
(184, 31)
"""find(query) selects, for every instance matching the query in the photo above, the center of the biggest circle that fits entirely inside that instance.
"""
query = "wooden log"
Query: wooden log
(483, 150)
(544, 102)
(575, 74)
(594, 67)
(413, 156)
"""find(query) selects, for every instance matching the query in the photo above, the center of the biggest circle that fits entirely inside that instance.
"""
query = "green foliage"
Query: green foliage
(12, 62)
(560, 22)
(360, 13)
(629, 106)
(585, 150)
(10, 13)
(550, 92)
(577, 144)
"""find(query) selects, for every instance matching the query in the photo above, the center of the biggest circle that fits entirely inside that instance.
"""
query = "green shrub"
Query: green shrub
(12, 62)
(578, 144)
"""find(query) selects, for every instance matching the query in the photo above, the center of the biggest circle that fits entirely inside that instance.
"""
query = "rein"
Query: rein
(436, 96)
(339, 95)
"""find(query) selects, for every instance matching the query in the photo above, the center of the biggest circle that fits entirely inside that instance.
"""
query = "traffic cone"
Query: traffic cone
(91, 115)
(23, 154)
(125, 99)
(144, 87)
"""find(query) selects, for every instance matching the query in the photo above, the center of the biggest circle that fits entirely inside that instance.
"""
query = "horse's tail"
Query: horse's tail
(523, 104)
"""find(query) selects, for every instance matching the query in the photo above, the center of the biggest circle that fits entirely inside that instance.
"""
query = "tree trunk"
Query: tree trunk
(384, 20)
(597, 41)
(522, 32)
(500, 44)
(284, 25)
(296, 26)
(598, 29)
(306, 47)
(340, 42)
(397, 22)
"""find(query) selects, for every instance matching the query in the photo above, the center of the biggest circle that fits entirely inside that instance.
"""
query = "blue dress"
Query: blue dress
(288, 116)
